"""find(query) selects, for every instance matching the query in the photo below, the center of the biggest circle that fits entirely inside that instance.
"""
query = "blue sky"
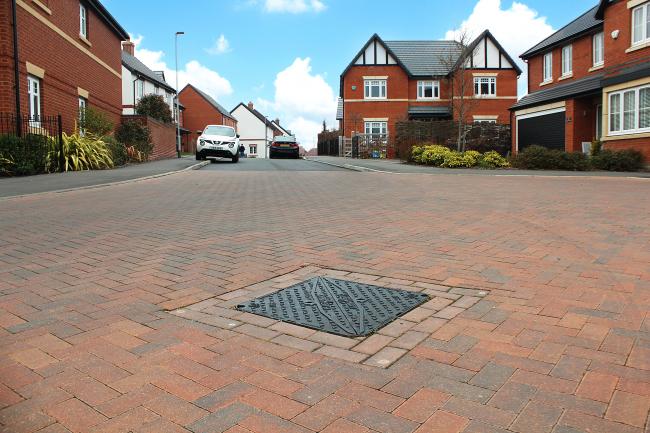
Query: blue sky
(286, 55)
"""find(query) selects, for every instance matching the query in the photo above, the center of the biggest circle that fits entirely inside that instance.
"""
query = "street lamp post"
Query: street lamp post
(176, 107)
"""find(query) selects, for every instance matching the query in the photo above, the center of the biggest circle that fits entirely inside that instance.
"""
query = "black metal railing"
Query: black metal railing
(31, 145)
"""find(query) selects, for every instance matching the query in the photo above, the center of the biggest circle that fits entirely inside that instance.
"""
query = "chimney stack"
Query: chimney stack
(129, 47)
(250, 105)
(277, 121)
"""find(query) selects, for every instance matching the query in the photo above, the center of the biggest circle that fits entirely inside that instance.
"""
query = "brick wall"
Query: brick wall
(163, 136)
(198, 114)
(619, 17)
(66, 66)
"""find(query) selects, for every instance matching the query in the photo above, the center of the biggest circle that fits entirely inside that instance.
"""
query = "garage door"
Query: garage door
(543, 130)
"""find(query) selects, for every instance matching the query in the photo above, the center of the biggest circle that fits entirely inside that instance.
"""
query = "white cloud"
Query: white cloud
(302, 101)
(294, 6)
(517, 29)
(192, 72)
(221, 46)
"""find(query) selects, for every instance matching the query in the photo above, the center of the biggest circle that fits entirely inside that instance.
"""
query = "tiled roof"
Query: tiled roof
(426, 58)
(134, 65)
(583, 23)
(211, 101)
(583, 86)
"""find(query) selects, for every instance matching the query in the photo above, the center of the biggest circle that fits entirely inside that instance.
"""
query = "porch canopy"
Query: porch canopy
(428, 112)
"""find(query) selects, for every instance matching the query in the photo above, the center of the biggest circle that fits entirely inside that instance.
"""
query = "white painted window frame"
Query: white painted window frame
(382, 125)
(598, 54)
(381, 84)
(644, 37)
(492, 85)
(34, 87)
(435, 90)
(620, 113)
(567, 60)
(547, 74)
(83, 21)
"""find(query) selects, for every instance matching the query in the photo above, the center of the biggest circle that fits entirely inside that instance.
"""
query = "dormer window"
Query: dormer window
(83, 21)
(548, 67)
(641, 24)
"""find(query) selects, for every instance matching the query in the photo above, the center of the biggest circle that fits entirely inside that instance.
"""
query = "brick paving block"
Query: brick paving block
(418, 314)
(466, 302)
(568, 401)
(314, 419)
(543, 381)
(426, 352)
(175, 409)
(513, 396)
(370, 397)
(548, 352)
(90, 391)
(129, 400)
(317, 391)
(273, 403)
(126, 422)
(597, 386)
(123, 340)
(75, 415)
(570, 368)
(380, 421)
(223, 419)
(48, 343)
(273, 383)
(303, 359)
(528, 338)
(629, 408)
(224, 396)
(492, 376)
(634, 386)
(422, 405)
(8, 397)
(592, 424)
(480, 427)
(478, 411)
(443, 422)
(385, 357)
(449, 312)
(437, 303)
(226, 376)
(293, 330)
(536, 418)
(345, 426)
(373, 344)
(266, 423)
(161, 425)
(338, 405)
(345, 355)
(396, 328)
(523, 363)
(180, 386)
(409, 340)
(33, 358)
(617, 344)
(639, 358)
(430, 325)
(333, 340)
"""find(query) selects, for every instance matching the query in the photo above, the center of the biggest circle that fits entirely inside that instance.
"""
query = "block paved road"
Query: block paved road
(561, 342)
(259, 164)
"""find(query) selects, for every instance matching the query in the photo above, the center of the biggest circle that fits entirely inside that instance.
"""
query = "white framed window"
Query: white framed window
(599, 49)
(34, 98)
(548, 67)
(252, 149)
(139, 89)
(83, 21)
(485, 86)
(629, 111)
(377, 128)
(567, 60)
(83, 104)
(641, 24)
(375, 89)
(428, 89)
(485, 121)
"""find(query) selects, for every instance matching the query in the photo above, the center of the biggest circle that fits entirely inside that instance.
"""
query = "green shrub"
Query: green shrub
(541, 158)
(154, 106)
(453, 159)
(85, 152)
(117, 150)
(618, 160)
(95, 122)
(596, 147)
(493, 159)
(434, 155)
(471, 158)
(25, 155)
(135, 137)
(416, 154)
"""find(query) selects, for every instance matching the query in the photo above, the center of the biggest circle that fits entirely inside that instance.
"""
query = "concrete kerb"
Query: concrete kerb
(196, 166)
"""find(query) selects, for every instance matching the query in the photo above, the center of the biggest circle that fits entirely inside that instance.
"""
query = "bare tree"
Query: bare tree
(461, 84)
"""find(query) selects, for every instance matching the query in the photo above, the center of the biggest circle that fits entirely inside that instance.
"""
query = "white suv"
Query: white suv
(218, 141)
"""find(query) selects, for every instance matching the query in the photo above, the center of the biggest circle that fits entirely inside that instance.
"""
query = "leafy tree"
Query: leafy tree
(136, 136)
(154, 106)
(95, 122)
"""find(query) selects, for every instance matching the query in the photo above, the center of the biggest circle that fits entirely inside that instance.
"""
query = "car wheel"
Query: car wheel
(213, 161)
(235, 158)
(198, 156)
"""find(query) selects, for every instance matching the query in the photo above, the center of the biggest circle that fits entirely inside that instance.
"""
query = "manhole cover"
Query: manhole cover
(336, 306)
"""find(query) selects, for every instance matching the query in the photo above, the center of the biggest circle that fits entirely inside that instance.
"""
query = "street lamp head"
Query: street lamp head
(180, 33)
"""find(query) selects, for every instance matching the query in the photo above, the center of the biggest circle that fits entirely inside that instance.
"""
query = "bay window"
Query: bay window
(599, 49)
(428, 89)
(641, 24)
(548, 67)
(567, 60)
(629, 111)
(375, 89)
(485, 86)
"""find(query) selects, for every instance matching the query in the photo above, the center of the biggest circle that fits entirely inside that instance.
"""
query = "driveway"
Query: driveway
(263, 164)
(117, 304)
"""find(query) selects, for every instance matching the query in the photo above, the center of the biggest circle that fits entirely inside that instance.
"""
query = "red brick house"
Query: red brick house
(389, 81)
(200, 110)
(69, 55)
(590, 80)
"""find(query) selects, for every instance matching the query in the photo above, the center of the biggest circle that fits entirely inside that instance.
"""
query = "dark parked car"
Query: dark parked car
(284, 146)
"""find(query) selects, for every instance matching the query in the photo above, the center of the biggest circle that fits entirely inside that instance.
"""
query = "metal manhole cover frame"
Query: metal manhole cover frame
(343, 306)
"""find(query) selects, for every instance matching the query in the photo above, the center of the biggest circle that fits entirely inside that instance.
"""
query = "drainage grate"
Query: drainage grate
(337, 306)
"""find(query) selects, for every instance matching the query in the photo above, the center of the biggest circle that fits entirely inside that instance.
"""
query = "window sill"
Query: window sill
(545, 83)
(42, 7)
(428, 99)
(85, 41)
(640, 46)
(596, 67)
(565, 77)
(485, 96)
(375, 99)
